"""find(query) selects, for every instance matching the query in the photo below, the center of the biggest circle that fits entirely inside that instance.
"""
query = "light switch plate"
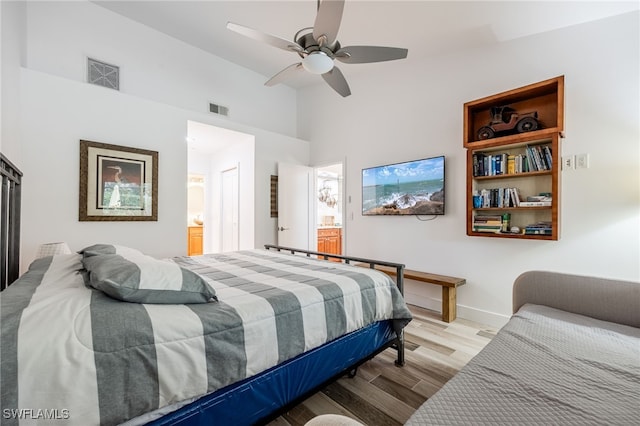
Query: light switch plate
(582, 161)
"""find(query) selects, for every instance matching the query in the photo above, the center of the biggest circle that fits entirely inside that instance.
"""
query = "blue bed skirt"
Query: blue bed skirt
(262, 397)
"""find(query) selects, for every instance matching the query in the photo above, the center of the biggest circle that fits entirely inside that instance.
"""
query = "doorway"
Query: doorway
(195, 213)
(330, 208)
(212, 151)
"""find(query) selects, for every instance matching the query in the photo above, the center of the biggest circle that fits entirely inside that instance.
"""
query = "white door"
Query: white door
(229, 221)
(295, 206)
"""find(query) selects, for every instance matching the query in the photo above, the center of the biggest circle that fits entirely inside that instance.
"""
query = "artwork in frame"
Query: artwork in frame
(117, 183)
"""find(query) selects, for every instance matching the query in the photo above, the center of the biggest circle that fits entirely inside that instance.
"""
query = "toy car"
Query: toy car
(504, 118)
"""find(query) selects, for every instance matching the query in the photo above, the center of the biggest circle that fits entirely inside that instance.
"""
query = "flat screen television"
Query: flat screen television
(408, 188)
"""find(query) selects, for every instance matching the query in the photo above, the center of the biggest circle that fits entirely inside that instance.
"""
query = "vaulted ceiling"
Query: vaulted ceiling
(426, 28)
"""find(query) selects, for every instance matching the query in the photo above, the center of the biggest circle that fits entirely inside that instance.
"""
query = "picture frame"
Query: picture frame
(117, 183)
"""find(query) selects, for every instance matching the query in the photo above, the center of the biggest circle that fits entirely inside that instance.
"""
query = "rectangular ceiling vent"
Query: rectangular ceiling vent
(103, 74)
(219, 109)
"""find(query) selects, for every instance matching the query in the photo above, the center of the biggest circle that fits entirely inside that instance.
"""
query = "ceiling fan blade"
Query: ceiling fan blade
(284, 74)
(336, 80)
(366, 54)
(327, 21)
(265, 38)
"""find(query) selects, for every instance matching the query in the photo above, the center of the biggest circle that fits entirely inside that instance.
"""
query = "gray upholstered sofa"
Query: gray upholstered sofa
(570, 354)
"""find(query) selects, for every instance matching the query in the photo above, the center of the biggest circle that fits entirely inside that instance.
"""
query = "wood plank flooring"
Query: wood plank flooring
(382, 394)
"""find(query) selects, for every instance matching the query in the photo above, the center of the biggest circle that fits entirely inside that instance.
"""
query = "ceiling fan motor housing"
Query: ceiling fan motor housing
(309, 44)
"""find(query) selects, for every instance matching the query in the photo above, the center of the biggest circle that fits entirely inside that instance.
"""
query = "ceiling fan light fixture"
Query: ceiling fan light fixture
(317, 63)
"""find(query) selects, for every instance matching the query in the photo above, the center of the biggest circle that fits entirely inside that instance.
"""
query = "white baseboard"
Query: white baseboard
(491, 319)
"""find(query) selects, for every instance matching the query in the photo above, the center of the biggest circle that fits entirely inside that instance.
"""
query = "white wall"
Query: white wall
(61, 35)
(12, 50)
(419, 114)
(57, 112)
(165, 83)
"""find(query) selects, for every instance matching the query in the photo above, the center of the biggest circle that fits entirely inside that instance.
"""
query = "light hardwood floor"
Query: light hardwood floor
(383, 394)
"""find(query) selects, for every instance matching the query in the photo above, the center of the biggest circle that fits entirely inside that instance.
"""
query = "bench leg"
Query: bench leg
(448, 304)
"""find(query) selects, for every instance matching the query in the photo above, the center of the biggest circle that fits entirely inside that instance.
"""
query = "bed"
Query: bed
(259, 331)
(570, 354)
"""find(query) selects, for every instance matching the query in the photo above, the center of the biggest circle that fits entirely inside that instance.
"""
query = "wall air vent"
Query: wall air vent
(219, 109)
(103, 74)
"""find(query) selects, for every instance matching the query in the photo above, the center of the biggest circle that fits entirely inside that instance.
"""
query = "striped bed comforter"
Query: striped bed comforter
(72, 353)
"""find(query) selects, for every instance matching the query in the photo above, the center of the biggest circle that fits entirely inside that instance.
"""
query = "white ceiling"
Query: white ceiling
(426, 28)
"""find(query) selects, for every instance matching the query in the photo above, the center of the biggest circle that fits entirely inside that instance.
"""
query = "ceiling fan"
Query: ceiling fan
(318, 48)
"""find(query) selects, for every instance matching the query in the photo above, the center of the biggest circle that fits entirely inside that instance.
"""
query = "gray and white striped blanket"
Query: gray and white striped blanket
(72, 353)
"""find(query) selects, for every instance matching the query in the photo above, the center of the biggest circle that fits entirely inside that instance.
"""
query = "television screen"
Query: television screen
(409, 188)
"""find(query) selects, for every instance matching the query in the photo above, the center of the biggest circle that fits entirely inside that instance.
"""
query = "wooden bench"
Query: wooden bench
(449, 286)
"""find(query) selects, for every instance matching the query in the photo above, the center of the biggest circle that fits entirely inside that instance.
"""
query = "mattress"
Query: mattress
(71, 352)
(545, 366)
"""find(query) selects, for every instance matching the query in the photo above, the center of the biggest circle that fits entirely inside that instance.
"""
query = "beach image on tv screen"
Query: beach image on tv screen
(409, 188)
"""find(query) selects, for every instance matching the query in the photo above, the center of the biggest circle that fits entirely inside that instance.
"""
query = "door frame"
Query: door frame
(344, 200)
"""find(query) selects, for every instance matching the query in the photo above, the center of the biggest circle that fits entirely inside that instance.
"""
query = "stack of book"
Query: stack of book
(539, 228)
(487, 223)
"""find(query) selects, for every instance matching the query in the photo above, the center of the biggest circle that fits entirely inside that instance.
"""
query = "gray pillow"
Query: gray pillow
(98, 249)
(128, 275)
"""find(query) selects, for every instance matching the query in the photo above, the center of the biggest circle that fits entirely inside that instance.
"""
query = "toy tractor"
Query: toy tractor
(504, 118)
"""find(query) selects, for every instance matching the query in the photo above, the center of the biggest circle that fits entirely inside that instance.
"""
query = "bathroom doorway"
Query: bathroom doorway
(330, 208)
(195, 214)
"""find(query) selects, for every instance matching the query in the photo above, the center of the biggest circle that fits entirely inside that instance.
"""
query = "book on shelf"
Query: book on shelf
(539, 228)
(542, 200)
(534, 204)
(538, 232)
(487, 223)
(540, 157)
(515, 197)
(487, 219)
(548, 156)
(544, 196)
(493, 230)
(521, 163)
(535, 158)
(511, 164)
(499, 197)
(510, 197)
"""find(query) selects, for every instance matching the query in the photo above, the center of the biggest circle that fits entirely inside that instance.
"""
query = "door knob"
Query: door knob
(282, 228)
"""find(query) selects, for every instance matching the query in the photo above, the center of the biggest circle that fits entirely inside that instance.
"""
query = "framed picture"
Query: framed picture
(117, 183)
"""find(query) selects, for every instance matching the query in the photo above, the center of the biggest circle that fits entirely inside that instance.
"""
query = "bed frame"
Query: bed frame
(9, 222)
(399, 269)
(267, 395)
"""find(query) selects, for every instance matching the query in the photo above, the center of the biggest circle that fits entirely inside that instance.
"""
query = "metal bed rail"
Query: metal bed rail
(10, 201)
(399, 267)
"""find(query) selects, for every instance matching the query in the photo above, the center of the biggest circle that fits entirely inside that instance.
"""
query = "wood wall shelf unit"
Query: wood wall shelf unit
(495, 167)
